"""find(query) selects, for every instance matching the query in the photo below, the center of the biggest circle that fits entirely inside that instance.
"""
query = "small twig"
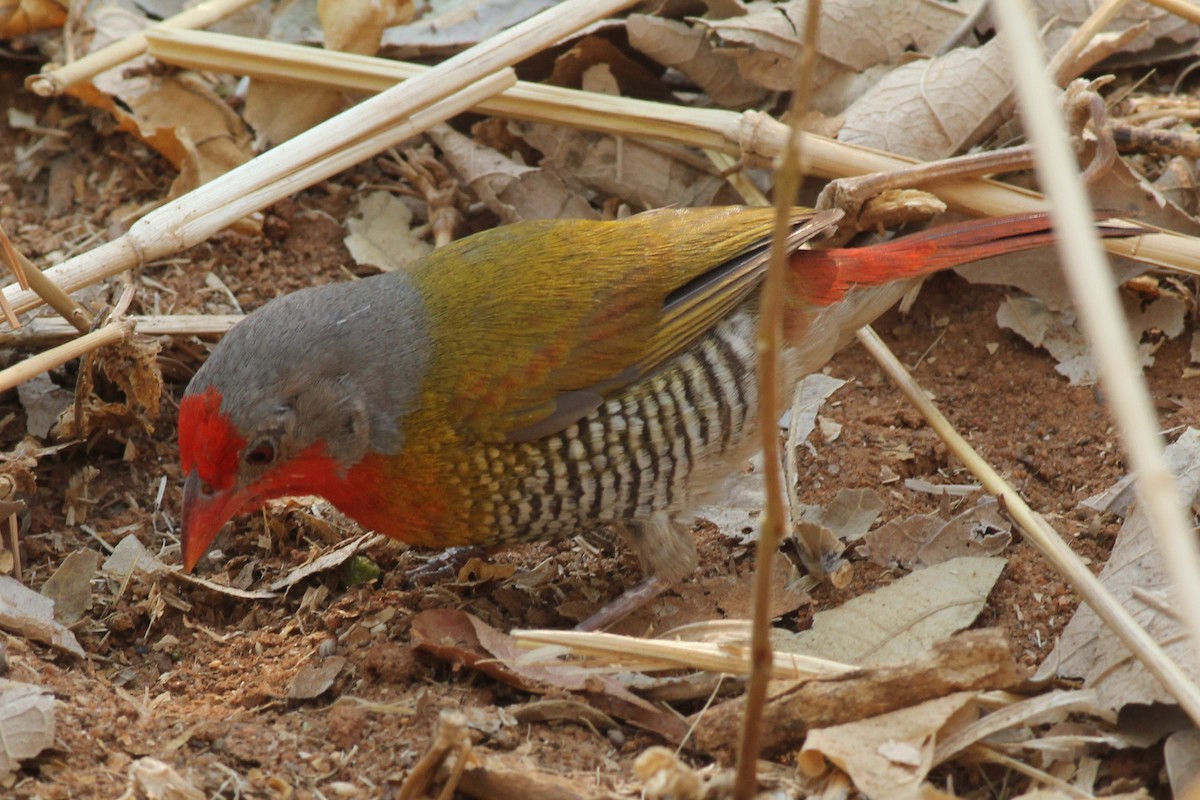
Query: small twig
(989, 754)
(849, 194)
(56, 81)
(450, 737)
(30, 277)
(128, 290)
(1155, 140)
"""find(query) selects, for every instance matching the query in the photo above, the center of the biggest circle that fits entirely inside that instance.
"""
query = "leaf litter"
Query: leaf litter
(212, 686)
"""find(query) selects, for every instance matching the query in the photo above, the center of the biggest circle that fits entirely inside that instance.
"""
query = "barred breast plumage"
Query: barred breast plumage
(644, 458)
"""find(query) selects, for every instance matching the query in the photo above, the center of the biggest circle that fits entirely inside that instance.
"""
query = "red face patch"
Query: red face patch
(208, 444)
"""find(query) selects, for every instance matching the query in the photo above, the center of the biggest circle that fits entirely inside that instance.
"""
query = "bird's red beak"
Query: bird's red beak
(205, 511)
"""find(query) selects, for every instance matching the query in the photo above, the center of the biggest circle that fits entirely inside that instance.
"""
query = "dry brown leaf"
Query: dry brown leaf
(339, 555)
(128, 557)
(1039, 710)
(1059, 334)
(935, 108)
(151, 779)
(926, 539)
(889, 755)
(44, 401)
(901, 621)
(593, 56)
(381, 235)
(26, 723)
(855, 36)
(279, 111)
(1179, 185)
(1182, 754)
(70, 587)
(1135, 575)
(513, 191)
(642, 176)
(27, 613)
(23, 17)
(689, 50)
(314, 679)
(851, 513)
(1062, 17)
(179, 116)
(355, 26)
(717, 597)
(449, 27)
(1117, 499)
(460, 638)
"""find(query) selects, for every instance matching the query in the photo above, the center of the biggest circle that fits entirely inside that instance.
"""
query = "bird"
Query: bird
(534, 380)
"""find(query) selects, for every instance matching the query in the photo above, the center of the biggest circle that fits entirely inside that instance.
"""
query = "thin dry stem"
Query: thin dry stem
(30, 277)
(53, 329)
(769, 339)
(1062, 66)
(57, 356)
(56, 81)
(1041, 535)
(1087, 274)
(985, 753)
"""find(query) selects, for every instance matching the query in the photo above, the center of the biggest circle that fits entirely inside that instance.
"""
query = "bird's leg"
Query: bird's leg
(668, 555)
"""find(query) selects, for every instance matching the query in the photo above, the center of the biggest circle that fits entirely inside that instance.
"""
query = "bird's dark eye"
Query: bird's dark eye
(260, 455)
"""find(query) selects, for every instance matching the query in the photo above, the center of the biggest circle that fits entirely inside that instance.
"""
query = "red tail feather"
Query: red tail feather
(823, 277)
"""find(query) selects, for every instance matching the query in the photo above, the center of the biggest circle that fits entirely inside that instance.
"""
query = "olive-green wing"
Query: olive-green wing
(535, 324)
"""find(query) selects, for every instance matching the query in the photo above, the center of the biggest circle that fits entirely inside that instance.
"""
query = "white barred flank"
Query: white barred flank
(632, 458)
